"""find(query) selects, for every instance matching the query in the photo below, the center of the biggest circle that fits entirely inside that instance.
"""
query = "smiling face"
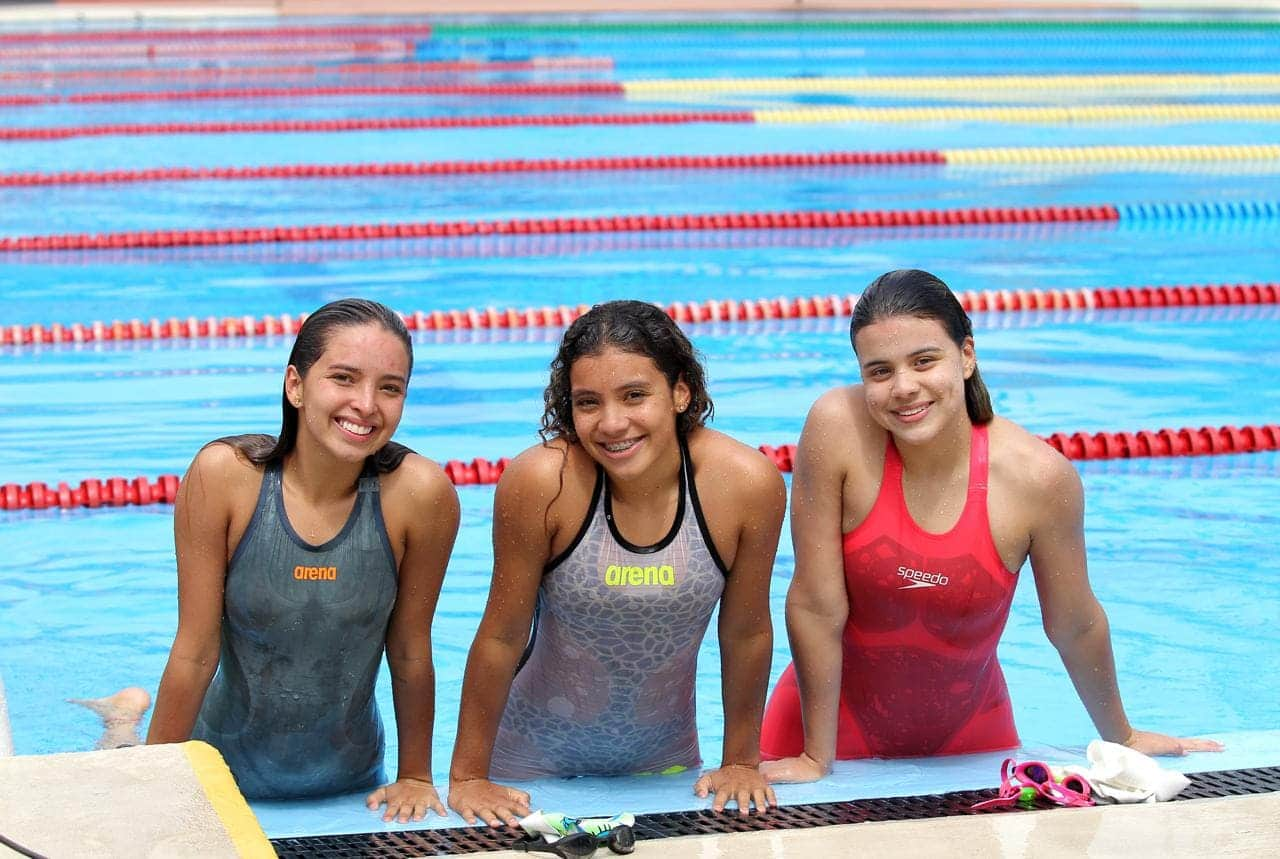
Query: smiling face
(624, 411)
(913, 376)
(351, 399)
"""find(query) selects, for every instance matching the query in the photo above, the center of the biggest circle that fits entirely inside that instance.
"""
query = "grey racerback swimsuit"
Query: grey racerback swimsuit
(607, 685)
(291, 708)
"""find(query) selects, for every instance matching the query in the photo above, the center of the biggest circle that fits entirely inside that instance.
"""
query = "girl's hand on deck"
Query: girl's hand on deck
(495, 804)
(1150, 743)
(738, 782)
(406, 799)
(801, 768)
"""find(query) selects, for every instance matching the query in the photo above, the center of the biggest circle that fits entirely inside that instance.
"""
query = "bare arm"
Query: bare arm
(521, 548)
(1073, 618)
(432, 526)
(746, 636)
(817, 601)
(201, 518)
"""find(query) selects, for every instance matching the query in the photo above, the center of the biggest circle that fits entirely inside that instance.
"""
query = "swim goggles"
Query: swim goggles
(553, 832)
(1023, 784)
(575, 845)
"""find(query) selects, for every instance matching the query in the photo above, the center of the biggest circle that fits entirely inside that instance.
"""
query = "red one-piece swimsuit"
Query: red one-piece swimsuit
(919, 672)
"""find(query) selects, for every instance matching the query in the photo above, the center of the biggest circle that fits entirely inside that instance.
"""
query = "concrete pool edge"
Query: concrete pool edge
(952, 824)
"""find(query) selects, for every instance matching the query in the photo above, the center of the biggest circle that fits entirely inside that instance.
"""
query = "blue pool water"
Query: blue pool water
(1181, 550)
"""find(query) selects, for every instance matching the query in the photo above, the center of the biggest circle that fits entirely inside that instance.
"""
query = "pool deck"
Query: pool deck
(1236, 826)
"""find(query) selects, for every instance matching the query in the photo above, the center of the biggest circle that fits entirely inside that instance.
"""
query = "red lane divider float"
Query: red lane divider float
(430, 67)
(398, 123)
(585, 88)
(451, 168)
(363, 48)
(727, 310)
(720, 221)
(215, 33)
(1204, 441)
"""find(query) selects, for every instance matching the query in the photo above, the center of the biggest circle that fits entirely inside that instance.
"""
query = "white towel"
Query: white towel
(1121, 774)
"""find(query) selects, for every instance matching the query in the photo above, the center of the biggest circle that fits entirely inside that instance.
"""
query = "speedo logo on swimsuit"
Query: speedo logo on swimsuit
(618, 576)
(313, 574)
(921, 579)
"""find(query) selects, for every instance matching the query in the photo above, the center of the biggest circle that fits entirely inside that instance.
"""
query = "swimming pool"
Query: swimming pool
(1181, 550)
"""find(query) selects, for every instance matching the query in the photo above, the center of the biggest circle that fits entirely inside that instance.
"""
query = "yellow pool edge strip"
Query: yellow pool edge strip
(1255, 82)
(1037, 113)
(228, 803)
(1077, 154)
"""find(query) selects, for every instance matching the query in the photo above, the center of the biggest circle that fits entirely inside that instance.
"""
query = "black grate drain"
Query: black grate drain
(481, 839)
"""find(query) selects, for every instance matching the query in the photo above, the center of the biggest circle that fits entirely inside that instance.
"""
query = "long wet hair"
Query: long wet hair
(312, 340)
(912, 292)
(641, 329)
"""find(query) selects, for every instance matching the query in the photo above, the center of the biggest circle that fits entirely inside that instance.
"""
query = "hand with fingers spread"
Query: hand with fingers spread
(740, 783)
(1150, 743)
(493, 803)
(796, 770)
(406, 799)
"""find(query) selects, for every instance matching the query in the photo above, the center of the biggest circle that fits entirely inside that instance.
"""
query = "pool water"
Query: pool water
(1181, 550)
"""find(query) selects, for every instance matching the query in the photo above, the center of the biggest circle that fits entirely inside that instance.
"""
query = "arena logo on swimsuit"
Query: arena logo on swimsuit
(618, 576)
(921, 579)
(315, 573)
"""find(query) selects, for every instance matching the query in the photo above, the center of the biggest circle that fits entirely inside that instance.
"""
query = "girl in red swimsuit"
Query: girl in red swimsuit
(913, 507)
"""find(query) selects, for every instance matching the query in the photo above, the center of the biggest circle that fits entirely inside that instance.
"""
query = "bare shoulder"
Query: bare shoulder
(1027, 463)
(221, 458)
(555, 472)
(723, 457)
(838, 407)
(419, 484)
(837, 417)
(218, 493)
(220, 470)
(544, 466)
(731, 475)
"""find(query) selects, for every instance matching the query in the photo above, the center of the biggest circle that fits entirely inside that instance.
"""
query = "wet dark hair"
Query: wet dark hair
(312, 340)
(636, 327)
(912, 292)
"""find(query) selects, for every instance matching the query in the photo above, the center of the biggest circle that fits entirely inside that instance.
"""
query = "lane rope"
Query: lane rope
(428, 67)
(976, 157)
(1163, 84)
(521, 90)
(196, 34)
(397, 123)
(1066, 28)
(1268, 112)
(114, 492)
(653, 89)
(780, 220)
(710, 221)
(713, 310)
(361, 48)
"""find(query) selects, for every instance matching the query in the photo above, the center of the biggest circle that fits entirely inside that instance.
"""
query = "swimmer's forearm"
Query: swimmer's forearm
(178, 699)
(413, 694)
(1090, 662)
(817, 651)
(744, 671)
(484, 696)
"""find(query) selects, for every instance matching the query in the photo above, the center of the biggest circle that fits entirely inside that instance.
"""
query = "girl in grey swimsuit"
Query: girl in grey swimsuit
(301, 559)
(607, 685)
(614, 541)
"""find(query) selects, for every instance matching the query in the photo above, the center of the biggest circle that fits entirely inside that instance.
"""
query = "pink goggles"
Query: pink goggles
(1022, 784)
